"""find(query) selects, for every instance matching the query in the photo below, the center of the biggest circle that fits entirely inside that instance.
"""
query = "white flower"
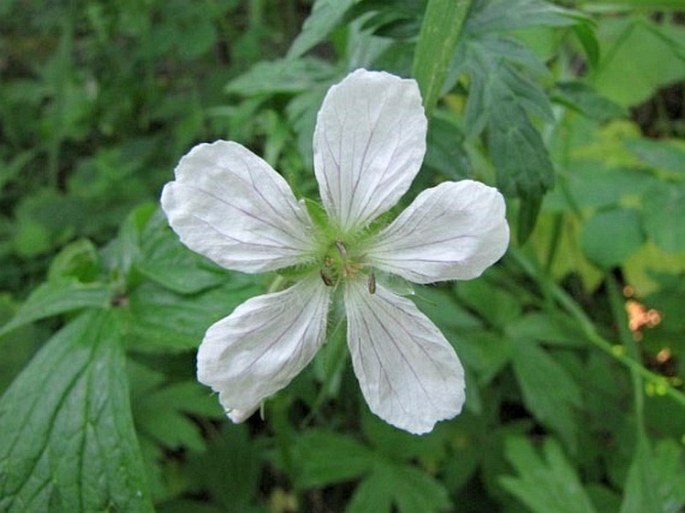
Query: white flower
(231, 206)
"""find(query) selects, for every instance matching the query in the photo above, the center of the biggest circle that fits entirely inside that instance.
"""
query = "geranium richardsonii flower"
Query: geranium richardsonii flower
(228, 204)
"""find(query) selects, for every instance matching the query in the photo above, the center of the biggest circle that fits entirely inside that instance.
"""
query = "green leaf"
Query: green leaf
(593, 184)
(668, 465)
(325, 16)
(610, 237)
(548, 328)
(503, 93)
(529, 209)
(650, 5)
(68, 441)
(505, 15)
(161, 320)
(516, 147)
(438, 38)
(641, 486)
(283, 76)
(483, 352)
(439, 303)
(327, 458)
(501, 97)
(162, 414)
(628, 40)
(124, 251)
(196, 37)
(57, 297)
(372, 495)
(663, 154)
(603, 497)
(544, 485)
(46, 219)
(230, 470)
(445, 151)
(18, 347)
(496, 305)
(656, 478)
(418, 492)
(197, 506)
(663, 213)
(586, 35)
(9, 170)
(502, 71)
(584, 99)
(398, 445)
(410, 489)
(166, 261)
(301, 112)
(79, 259)
(549, 392)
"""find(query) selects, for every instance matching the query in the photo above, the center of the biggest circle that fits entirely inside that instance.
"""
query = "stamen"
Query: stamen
(372, 283)
(341, 248)
(328, 281)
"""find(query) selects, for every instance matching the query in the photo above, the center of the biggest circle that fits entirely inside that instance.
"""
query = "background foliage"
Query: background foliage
(573, 345)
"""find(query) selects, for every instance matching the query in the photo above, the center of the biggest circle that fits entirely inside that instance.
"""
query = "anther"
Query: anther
(372, 283)
(341, 248)
(328, 281)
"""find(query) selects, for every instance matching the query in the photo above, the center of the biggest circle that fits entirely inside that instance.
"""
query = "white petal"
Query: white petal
(450, 232)
(369, 143)
(238, 416)
(263, 345)
(232, 207)
(409, 374)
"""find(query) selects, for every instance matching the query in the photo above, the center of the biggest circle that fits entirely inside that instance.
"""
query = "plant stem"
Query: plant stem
(549, 287)
(618, 311)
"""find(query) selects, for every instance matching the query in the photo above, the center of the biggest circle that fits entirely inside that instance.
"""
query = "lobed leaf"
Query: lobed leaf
(409, 489)
(549, 392)
(505, 15)
(230, 470)
(544, 485)
(327, 458)
(162, 414)
(641, 486)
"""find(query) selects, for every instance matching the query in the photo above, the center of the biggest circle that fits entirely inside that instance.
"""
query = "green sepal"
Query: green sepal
(317, 213)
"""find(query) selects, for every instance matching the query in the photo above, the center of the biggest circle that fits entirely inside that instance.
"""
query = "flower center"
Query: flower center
(339, 263)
